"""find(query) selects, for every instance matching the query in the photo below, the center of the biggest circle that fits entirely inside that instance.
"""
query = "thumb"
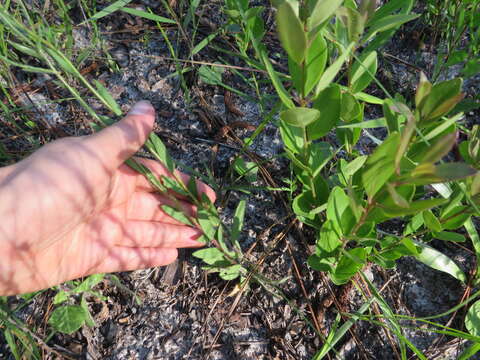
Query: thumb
(121, 140)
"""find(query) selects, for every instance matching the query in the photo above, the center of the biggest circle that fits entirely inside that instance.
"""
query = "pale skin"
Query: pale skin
(73, 208)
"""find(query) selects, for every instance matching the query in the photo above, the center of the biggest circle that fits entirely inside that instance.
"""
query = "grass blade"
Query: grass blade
(147, 15)
(117, 5)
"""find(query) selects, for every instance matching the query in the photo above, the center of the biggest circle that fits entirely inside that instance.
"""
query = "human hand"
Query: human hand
(73, 208)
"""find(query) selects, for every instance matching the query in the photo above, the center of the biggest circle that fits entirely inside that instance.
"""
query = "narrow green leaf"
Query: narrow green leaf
(238, 218)
(470, 351)
(414, 208)
(446, 107)
(455, 217)
(109, 9)
(449, 236)
(415, 223)
(291, 33)
(369, 98)
(147, 15)
(388, 22)
(440, 128)
(368, 124)
(158, 149)
(277, 84)
(102, 90)
(315, 61)
(423, 89)
(380, 165)
(201, 45)
(205, 221)
(454, 171)
(322, 10)
(353, 21)
(398, 199)
(151, 177)
(438, 261)
(355, 165)
(427, 173)
(363, 72)
(25, 49)
(441, 148)
(176, 214)
(62, 61)
(338, 335)
(12, 344)
(27, 68)
(441, 99)
(332, 71)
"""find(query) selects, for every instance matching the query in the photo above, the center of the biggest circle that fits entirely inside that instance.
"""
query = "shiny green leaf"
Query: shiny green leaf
(438, 261)
(332, 71)
(176, 214)
(441, 148)
(388, 22)
(398, 199)
(431, 221)
(328, 103)
(147, 15)
(238, 218)
(277, 83)
(472, 319)
(353, 21)
(441, 99)
(449, 236)
(423, 89)
(317, 55)
(158, 149)
(291, 32)
(103, 91)
(349, 264)
(380, 165)
(321, 10)
(363, 72)
(300, 116)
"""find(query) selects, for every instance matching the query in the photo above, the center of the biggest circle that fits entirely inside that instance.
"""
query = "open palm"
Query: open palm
(73, 208)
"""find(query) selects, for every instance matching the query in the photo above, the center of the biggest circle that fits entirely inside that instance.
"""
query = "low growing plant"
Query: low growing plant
(331, 54)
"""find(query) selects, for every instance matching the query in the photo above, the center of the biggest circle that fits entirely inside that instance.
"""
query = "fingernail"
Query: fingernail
(191, 241)
(142, 108)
